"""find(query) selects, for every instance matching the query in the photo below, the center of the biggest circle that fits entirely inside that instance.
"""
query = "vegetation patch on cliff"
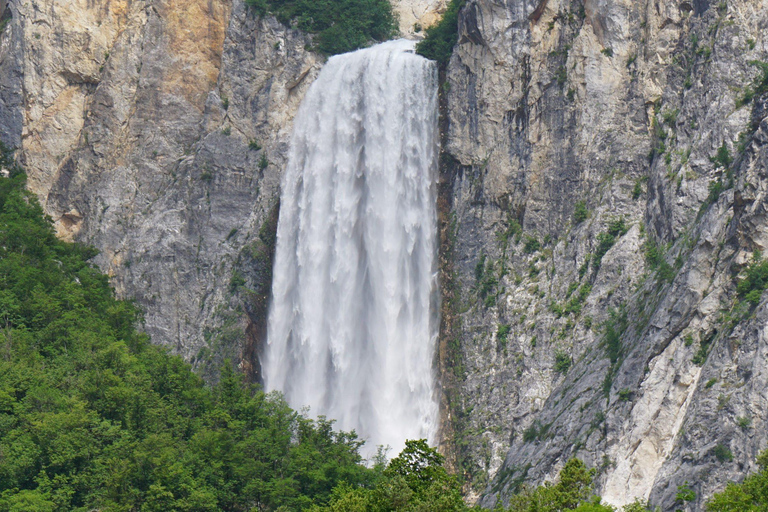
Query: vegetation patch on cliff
(340, 25)
(442, 37)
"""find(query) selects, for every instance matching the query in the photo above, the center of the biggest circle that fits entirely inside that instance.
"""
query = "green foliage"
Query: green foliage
(685, 493)
(414, 481)
(617, 227)
(531, 245)
(480, 267)
(580, 212)
(604, 243)
(263, 162)
(749, 496)
(608, 52)
(755, 280)
(700, 357)
(254, 145)
(670, 116)
(654, 258)
(722, 453)
(486, 282)
(562, 361)
(571, 492)
(442, 37)
(574, 305)
(561, 76)
(638, 190)
(513, 231)
(723, 157)
(501, 335)
(758, 87)
(614, 329)
(340, 25)
(94, 417)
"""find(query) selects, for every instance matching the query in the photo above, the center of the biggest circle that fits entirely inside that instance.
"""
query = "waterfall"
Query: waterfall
(353, 318)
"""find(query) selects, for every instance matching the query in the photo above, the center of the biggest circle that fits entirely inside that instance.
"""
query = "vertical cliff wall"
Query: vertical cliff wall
(597, 228)
(157, 132)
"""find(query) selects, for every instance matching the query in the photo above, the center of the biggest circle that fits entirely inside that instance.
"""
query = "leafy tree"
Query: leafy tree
(749, 496)
(441, 38)
(580, 212)
(413, 481)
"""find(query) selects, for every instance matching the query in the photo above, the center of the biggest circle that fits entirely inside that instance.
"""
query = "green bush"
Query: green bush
(415, 480)
(562, 361)
(723, 157)
(340, 25)
(685, 493)
(755, 280)
(580, 212)
(614, 329)
(532, 245)
(442, 37)
(752, 494)
(604, 243)
(722, 453)
(501, 335)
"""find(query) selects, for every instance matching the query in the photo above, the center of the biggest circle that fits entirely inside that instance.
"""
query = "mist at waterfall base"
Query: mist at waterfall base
(353, 317)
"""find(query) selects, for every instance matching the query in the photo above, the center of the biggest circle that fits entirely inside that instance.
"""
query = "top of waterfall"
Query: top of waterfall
(403, 45)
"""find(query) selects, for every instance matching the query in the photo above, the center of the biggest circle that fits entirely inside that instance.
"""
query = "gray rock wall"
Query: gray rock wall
(621, 106)
(158, 134)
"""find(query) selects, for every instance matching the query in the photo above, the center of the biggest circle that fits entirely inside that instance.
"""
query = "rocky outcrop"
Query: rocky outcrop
(596, 243)
(157, 131)
(416, 15)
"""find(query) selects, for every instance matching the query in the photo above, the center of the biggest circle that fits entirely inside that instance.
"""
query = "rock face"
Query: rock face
(416, 15)
(594, 231)
(157, 132)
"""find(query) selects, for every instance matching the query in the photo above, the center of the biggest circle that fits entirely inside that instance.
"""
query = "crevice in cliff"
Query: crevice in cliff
(255, 263)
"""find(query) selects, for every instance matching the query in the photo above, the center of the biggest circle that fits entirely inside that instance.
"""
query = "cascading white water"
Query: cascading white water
(353, 318)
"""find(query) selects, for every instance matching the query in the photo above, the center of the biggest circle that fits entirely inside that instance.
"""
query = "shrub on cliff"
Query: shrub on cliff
(442, 37)
(752, 494)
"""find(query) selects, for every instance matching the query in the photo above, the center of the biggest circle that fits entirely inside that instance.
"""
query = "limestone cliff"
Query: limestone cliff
(595, 243)
(157, 132)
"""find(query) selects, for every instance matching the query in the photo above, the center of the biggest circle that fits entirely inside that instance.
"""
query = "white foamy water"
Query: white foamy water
(353, 319)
